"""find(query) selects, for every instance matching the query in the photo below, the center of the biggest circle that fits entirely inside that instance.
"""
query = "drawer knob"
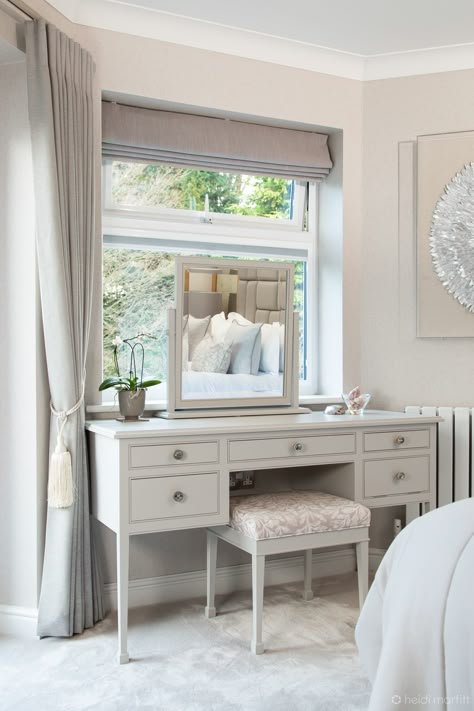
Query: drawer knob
(399, 440)
(400, 476)
(178, 496)
(297, 446)
(178, 454)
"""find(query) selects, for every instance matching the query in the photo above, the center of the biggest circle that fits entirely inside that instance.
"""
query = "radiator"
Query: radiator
(455, 451)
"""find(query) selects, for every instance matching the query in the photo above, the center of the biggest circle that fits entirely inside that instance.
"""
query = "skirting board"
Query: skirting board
(21, 621)
(18, 621)
(185, 586)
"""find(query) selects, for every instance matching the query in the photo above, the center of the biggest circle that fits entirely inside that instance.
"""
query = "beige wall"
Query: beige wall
(8, 28)
(397, 367)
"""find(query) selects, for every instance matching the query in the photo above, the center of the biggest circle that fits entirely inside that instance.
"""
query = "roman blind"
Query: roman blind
(130, 133)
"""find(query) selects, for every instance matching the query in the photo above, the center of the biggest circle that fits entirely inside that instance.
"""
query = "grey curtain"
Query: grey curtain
(137, 134)
(60, 76)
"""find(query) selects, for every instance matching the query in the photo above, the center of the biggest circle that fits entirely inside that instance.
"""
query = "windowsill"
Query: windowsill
(156, 405)
(320, 399)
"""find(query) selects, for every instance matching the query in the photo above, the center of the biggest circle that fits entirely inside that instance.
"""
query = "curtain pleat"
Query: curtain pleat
(131, 133)
(60, 76)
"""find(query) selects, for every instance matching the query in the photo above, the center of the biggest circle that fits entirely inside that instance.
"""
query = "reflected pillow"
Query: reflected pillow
(196, 329)
(219, 326)
(212, 356)
(270, 354)
(246, 348)
(234, 316)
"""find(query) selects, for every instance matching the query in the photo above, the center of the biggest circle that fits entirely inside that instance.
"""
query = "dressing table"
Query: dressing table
(164, 475)
(173, 472)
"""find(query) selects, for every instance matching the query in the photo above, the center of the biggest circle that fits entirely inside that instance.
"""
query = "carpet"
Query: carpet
(183, 662)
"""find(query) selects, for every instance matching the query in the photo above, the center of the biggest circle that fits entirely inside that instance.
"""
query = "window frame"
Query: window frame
(194, 217)
(137, 228)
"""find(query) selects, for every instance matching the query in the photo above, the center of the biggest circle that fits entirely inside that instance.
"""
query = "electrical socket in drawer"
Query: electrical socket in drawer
(241, 480)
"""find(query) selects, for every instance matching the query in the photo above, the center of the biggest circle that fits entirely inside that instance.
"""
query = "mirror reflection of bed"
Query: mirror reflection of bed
(234, 332)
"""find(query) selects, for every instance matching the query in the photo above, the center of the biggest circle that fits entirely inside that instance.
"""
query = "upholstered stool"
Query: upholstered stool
(282, 522)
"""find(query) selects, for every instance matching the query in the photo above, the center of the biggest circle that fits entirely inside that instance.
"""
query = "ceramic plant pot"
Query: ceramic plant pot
(132, 403)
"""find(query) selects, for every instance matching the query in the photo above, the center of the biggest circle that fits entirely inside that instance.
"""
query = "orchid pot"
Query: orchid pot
(132, 403)
(131, 388)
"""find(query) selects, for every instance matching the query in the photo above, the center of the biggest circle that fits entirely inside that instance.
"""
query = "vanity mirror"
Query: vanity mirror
(232, 345)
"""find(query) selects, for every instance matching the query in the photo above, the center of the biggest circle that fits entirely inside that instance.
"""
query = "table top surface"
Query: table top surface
(253, 424)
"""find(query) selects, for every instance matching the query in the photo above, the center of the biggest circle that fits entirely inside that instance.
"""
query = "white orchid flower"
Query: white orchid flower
(117, 341)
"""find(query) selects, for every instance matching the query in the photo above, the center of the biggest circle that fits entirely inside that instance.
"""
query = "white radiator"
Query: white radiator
(455, 451)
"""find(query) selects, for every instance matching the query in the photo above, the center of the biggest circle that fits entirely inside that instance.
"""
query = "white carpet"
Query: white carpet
(183, 662)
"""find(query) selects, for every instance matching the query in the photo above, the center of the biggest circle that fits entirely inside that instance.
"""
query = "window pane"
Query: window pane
(300, 308)
(164, 186)
(138, 290)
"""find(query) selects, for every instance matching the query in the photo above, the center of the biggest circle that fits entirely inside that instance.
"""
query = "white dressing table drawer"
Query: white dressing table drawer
(294, 447)
(190, 495)
(162, 455)
(403, 439)
(389, 477)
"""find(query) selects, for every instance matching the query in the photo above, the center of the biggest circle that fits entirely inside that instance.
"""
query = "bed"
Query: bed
(231, 385)
(415, 633)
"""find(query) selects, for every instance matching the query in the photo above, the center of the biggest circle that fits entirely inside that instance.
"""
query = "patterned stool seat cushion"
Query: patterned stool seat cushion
(293, 513)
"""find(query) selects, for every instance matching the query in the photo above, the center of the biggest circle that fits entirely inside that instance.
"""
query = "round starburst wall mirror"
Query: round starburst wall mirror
(452, 237)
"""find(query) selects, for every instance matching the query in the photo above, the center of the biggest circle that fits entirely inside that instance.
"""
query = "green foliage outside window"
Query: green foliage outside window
(145, 185)
(138, 290)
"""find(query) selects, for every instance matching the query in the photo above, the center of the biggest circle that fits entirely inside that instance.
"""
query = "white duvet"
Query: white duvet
(416, 630)
(226, 385)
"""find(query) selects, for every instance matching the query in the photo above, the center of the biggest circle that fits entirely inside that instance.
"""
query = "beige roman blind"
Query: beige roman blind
(136, 134)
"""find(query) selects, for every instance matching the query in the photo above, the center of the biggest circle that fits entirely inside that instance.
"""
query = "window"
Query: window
(166, 187)
(154, 212)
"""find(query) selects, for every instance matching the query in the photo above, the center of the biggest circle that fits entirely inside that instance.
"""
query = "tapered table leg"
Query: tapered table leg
(362, 554)
(308, 575)
(258, 575)
(123, 545)
(211, 574)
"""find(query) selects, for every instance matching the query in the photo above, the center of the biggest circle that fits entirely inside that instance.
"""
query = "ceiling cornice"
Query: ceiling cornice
(122, 17)
(420, 61)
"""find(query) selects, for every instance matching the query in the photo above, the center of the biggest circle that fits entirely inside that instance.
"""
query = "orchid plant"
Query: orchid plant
(134, 380)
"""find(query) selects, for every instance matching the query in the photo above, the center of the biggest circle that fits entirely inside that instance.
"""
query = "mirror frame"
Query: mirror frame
(176, 403)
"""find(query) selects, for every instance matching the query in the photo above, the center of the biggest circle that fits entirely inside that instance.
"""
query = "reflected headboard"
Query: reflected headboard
(261, 296)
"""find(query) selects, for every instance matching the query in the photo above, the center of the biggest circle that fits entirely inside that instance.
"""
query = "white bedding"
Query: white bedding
(416, 630)
(195, 384)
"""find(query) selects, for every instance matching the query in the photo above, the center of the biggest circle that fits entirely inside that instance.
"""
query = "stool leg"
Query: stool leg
(308, 575)
(362, 552)
(211, 574)
(258, 575)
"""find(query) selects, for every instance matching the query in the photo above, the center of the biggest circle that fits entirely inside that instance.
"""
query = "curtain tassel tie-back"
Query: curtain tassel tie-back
(60, 481)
